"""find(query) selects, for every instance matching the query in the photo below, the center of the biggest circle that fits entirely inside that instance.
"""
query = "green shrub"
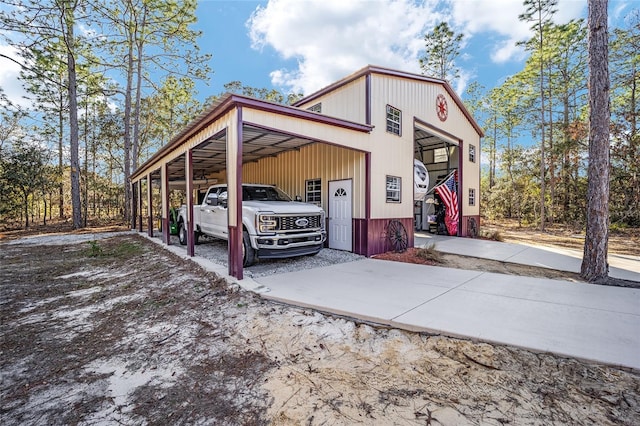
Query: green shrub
(95, 249)
(618, 227)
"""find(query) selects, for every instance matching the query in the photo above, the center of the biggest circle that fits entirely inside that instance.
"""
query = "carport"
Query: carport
(235, 131)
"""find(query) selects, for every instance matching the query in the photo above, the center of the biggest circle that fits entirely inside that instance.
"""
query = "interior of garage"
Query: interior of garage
(441, 157)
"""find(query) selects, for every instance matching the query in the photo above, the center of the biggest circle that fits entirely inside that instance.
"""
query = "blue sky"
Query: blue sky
(303, 45)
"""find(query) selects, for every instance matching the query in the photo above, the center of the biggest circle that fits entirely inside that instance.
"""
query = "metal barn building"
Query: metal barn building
(349, 148)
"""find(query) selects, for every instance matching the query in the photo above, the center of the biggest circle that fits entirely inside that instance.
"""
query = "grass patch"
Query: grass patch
(127, 249)
(95, 250)
(121, 250)
(429, 252)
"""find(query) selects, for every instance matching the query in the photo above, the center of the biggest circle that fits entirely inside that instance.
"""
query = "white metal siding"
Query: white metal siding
(290, 170)
(417, 99)
(347, 102)
(308, 129)
(392, 154)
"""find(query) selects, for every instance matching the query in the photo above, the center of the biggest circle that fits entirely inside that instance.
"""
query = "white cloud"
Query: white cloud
(463, 81)
(9, 76)
(333, 38)
(507, 50)
(620, 10)
(501, 17)
(329, 39)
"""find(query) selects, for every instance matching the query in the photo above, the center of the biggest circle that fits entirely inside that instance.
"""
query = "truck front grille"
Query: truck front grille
(297, 223)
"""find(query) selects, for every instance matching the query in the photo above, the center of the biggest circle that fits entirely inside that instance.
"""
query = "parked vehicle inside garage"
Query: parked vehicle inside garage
(273, 226)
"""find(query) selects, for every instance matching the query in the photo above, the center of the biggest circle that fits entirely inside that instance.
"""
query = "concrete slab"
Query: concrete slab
(573, 331)
(603, 298)
(622, 267)
(374, 290)
(590, 322)
(471, 247)
(595, 323)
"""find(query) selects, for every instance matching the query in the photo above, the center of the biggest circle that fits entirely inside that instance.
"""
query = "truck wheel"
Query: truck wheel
(182, 234)
(248, 252)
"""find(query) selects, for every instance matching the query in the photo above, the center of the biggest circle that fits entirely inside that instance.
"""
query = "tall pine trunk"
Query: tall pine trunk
(594, 263)
(60, 149)
(128, 196)
(73, 119)
(542, 126)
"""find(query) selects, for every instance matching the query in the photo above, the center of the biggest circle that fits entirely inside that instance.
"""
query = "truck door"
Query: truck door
(214, 218)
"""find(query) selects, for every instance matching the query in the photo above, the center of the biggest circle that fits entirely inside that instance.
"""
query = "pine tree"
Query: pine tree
(442, 47)
(539, 12)
(594, 262)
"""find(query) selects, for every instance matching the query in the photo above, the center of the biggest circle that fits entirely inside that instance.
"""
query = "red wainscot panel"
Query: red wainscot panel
(370, 236)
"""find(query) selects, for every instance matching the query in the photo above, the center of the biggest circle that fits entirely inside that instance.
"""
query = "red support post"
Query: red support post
(191, 249)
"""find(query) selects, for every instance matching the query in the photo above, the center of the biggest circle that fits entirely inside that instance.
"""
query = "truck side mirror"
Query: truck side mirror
(222, 199)
(212, 199)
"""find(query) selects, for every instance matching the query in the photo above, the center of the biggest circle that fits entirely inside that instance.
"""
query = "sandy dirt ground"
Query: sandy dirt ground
(111, 329)
(623, 241)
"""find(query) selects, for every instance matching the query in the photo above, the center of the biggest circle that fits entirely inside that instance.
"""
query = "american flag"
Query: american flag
(448, 191)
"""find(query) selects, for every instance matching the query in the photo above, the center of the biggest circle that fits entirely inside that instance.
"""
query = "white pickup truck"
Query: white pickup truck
(273, 226)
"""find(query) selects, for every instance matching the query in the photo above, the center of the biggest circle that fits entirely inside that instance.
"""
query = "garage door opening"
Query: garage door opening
(441, 156)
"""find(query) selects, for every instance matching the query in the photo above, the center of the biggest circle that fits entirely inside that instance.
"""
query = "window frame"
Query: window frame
(315, 191)
(316, 108)
(472, 196)
(391, 124)
(472, 153)
(440, 155)
(398, 183)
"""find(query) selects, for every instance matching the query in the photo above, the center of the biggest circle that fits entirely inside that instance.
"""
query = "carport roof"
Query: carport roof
(258, 142)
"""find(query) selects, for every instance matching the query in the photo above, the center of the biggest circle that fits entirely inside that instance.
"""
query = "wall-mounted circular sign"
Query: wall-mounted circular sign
(441, 107)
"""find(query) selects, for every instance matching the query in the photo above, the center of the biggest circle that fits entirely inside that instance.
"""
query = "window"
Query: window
(315, 108)
(472, 197)
(394, 188)
(472, 153)
(394, 120)
(440, 155)
(314, 191)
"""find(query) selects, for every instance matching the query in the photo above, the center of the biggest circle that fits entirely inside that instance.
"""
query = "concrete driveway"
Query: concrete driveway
(620, 266)
(584, 321)
(590, 322)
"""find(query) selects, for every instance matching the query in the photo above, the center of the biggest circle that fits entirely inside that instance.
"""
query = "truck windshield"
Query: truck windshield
(263, 193)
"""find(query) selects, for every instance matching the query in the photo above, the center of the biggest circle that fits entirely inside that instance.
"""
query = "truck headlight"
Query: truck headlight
(267, 224)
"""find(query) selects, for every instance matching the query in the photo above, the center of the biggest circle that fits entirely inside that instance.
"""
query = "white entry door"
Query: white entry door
(340, 220)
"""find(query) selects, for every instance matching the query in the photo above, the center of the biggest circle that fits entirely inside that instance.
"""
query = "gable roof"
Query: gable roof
(372, 69)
